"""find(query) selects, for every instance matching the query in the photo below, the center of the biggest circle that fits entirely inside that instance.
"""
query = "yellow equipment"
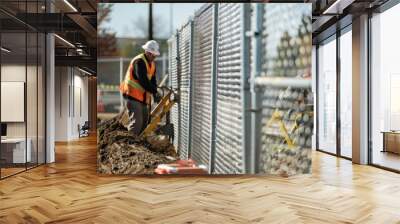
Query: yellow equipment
(162, 108)
(277, 116)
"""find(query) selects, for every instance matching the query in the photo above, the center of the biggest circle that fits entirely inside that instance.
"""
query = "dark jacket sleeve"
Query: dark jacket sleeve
(154, 81)
(141, 75)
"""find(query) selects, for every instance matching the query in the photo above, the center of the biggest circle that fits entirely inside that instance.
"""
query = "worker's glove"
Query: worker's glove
(160, 92)
(157, 97)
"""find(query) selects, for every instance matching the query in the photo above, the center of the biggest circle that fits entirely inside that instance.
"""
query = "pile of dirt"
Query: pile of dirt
(119, 152)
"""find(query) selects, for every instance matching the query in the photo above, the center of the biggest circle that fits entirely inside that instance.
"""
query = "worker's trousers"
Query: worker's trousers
(138, 116)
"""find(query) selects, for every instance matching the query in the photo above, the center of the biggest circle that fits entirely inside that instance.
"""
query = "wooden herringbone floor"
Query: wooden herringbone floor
(70, 191)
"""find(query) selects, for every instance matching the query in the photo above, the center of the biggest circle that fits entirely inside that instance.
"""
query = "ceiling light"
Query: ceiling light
(86, 72)
(65, 41)
(5, 50)
(70, 5)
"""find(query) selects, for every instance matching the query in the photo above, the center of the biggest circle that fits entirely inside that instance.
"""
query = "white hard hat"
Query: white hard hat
(152, 47)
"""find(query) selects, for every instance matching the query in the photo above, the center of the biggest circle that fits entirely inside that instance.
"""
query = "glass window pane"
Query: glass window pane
(22, 88)
(327, 97)
(31, 97)
(41, 98)
(14, 153)
(346, 94)
(32, 94)
(385, 114)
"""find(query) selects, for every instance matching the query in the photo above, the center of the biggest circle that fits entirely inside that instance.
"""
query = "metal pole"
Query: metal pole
(190, 87)
(178, 77)
(25, 89)
(150, 21)
(338, 122)
(246, 97)
(369, 89)
(214, 61)
(317, 97)
(255, 92)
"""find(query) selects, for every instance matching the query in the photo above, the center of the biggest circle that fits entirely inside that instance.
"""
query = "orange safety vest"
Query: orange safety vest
(131, 86)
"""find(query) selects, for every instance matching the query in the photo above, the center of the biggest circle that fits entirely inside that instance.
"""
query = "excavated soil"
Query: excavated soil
(120, 152)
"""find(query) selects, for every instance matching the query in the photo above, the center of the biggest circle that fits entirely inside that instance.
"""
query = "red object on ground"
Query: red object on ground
(160, 171)
(180, 167)
(182, 163)
(190, 170)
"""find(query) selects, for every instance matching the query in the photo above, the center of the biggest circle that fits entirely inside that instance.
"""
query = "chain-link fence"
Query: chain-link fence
(243, 75)
(202, 84)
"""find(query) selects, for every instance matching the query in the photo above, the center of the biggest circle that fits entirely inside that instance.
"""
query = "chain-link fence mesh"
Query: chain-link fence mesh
(217, 88)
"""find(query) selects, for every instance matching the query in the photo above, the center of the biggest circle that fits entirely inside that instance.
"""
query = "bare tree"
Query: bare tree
(103, 13)
(106, 41)
(140, 26)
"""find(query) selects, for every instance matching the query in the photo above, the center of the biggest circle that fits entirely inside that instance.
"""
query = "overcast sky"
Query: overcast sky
(125, 16)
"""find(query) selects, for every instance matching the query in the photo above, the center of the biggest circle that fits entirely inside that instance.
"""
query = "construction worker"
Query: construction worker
(139, 84)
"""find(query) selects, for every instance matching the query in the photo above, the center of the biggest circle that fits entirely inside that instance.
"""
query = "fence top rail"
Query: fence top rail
(283, 82)
(204, 8)
(172, 38)
(187, 23)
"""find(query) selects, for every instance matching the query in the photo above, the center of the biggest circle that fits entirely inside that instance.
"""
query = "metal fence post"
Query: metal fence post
(164, 65)
(190, 87)
(214, 88)
(255, 92)
(121, 77)
(245, 70)
(178, 75)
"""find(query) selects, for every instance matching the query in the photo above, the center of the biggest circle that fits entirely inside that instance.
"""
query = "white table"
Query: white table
(18, 149)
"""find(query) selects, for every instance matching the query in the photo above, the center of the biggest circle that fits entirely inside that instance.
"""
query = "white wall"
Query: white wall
(70, 83)
(33, 127)
(12, 73)
(61, 103)
(80, 84)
